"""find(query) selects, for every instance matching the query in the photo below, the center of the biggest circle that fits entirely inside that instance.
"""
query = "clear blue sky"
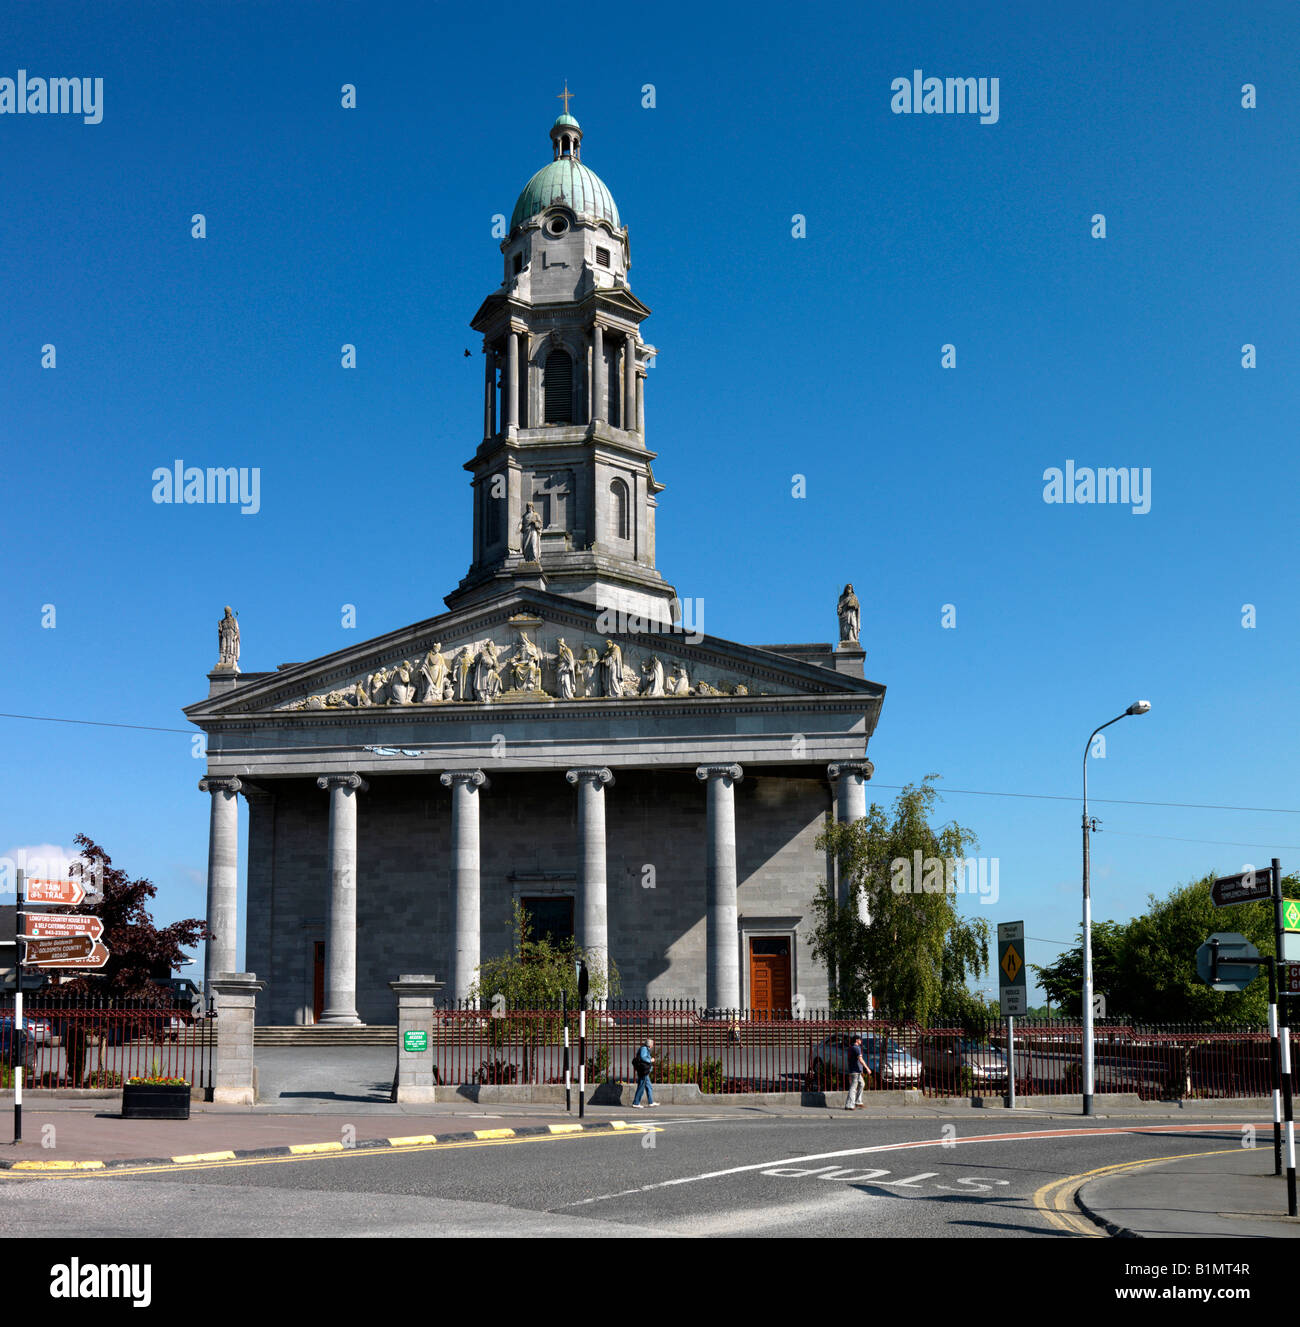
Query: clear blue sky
(779, 356)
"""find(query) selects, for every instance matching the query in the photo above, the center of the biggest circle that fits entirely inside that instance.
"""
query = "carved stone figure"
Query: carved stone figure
(566, 670)
(652, 677)
(448, 689)
(527, 665)
(359, 696)
(487, 677)
(587, 671)
(401, 687)
(228, 641)
(465, 674)
(434, 673)
(531, 530)
(610, 670)
(679, 684)
(850, 615)
(378, 688)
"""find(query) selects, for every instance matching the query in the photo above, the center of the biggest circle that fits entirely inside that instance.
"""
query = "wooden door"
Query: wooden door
(769, 977)
(318, 982)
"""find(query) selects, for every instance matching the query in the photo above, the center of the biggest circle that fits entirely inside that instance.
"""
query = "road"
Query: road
(744, 1172)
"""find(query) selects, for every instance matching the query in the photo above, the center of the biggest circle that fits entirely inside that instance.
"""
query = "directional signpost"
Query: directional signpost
(67, 893)
(58, 949)
(1246, 887)
(1012, 992)
(44, 924)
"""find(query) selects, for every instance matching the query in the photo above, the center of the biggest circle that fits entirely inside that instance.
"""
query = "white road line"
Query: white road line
(1030, 1136)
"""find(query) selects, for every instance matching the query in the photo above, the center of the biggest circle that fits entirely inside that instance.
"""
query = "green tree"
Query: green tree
(917, 952)
(539, 972)
(1146, 967)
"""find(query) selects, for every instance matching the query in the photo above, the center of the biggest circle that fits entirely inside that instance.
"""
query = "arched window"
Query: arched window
(557, 387)
(620, 509)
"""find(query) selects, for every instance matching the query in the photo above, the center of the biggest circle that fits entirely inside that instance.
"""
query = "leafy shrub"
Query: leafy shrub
(708, 1075)
(497, 1071)
(153, 1080)
(107, 1078)
(598, 1066)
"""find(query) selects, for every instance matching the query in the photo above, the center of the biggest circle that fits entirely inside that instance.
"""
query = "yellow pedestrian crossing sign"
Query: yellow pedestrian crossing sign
(1012, 988)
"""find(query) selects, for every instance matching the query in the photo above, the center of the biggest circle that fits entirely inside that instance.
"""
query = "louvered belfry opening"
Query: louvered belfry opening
(557, 387)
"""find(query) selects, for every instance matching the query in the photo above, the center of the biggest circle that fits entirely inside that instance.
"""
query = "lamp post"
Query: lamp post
(1138, 707)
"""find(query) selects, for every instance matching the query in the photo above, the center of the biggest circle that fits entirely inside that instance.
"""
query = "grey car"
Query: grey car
(888, 1063)
(958, 1062)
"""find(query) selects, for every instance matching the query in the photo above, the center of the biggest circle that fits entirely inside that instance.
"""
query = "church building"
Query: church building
(559, 737)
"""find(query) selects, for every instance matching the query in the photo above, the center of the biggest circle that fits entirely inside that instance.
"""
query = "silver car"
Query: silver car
(888, 1064)
(957, 1062)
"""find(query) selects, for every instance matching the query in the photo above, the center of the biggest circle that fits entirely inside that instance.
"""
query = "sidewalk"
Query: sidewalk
(1228, 1195)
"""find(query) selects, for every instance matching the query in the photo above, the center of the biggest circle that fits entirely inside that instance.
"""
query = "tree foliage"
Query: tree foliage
(1146, 968)
(917, 952)
(538, 972)
(139, 952)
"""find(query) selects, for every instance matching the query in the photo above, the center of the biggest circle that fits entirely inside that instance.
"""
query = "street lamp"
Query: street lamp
(1138, 707)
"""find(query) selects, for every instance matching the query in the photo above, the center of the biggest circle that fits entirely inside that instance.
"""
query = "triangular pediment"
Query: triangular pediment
(528, 647)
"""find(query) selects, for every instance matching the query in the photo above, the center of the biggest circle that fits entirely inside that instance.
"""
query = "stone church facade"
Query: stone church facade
(559, 737)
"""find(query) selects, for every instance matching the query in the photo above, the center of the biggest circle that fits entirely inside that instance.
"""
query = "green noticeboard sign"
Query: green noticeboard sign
(415, 1041)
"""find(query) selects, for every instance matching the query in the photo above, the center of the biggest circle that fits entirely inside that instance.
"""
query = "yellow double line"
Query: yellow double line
(1056, 1200)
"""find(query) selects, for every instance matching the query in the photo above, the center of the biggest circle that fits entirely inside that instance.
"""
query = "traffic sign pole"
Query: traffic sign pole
(1011, 1062)
(16, 1058)
(1275, 1067)
(1285, 1045)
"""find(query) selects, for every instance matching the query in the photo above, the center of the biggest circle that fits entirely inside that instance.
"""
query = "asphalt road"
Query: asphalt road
(748, 1173)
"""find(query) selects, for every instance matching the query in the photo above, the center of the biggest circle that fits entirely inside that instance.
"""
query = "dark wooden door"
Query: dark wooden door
(318, 982)
(769, 977)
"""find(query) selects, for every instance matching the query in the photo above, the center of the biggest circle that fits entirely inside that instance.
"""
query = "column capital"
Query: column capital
(862, 767)
(598, 774)
(219, 783)
(471, 776)
(732, 772)
(354, 781)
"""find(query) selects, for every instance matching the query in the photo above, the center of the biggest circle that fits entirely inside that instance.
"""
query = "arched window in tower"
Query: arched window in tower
(557, 387)
(620, 509)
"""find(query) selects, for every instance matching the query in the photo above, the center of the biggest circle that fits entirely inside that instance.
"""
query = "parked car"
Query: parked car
(888, 1063)
(957, 1062)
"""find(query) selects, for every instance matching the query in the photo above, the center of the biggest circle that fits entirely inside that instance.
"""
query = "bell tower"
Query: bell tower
(564, 489)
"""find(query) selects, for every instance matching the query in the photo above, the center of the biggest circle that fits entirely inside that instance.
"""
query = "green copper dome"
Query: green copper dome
(566, 182)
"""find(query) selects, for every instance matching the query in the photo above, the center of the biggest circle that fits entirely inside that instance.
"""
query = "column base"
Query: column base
(340, 1019)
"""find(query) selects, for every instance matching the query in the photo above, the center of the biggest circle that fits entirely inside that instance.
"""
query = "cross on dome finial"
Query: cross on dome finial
(565, 96)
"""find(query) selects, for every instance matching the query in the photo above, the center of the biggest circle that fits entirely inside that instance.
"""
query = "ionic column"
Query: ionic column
(850, 780)
(593, 902)
(629, 382)
(599, 395)
(512, 379)
(341, 924)
(722, 987)
(223, 877)
(640, 403)
(464, 785)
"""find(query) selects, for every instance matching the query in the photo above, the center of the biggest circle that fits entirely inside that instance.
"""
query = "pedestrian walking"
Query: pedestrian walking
(642, 1063)
(857, 1068)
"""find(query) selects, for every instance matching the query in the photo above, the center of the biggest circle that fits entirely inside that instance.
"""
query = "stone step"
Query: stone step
(317, 1035)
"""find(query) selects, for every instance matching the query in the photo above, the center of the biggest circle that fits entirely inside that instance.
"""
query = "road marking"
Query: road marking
(1033, 1135)
(203, 1156)
(303, 1148)
(412, 1140)
(494, 1133)
(1054, 1199)
(333, 1152)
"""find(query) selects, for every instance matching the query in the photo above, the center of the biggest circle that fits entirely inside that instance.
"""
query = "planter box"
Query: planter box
(155, 1101)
